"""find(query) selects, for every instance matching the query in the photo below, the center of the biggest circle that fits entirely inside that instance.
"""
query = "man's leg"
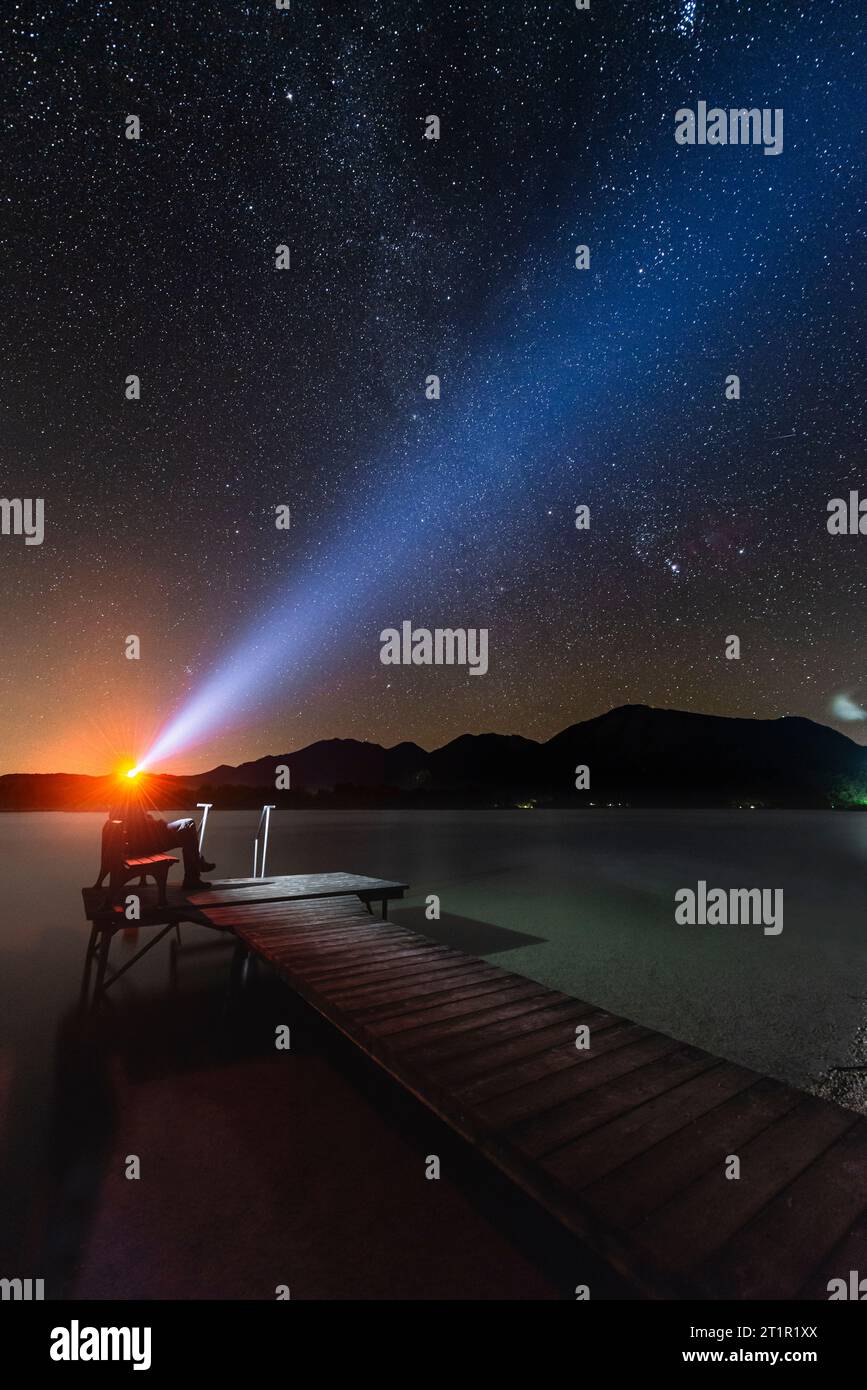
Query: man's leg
(183, 835)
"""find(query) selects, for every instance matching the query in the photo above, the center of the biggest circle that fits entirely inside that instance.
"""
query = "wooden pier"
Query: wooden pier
(107, 916)
(626, 1143)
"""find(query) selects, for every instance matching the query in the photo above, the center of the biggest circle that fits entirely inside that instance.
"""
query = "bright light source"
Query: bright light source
(133, 772)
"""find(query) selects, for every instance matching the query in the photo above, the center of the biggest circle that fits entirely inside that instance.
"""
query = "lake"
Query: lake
(582, 901)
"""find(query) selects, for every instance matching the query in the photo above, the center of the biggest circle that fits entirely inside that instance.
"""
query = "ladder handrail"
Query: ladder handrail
(265, 816)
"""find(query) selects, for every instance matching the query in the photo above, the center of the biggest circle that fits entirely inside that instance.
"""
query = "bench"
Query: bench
(119, 868)
(106, 916)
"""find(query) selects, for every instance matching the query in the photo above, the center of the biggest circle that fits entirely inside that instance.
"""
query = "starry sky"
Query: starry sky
(410, 257)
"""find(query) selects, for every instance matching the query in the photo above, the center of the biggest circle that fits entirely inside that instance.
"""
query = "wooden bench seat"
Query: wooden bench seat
(119, 867)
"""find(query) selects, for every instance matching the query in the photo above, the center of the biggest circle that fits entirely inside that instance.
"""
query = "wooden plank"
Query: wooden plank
(425, 981)
(293, 915)
(550, 1062)
(359, 969)
(276, 924)
(849, 1254)
(405, 972)
(311, 939)
(474, 988)
(316, 952)
(351, 929)
(149, 859)
(357, 931)
(293, 887)
(573, 1118)
(363, 961)
(409, 1027)
(415, 968)
(440, 1053)
(774, 1255)
(276, 916)
(689, 1228)
(586, 1072)
(635, 1186)
(459, 1033)
(231, 892)
(643, 1127)
(301, 950)
(498, 1058)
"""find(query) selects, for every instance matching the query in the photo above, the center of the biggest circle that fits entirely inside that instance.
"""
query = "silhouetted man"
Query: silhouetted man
(146, 834)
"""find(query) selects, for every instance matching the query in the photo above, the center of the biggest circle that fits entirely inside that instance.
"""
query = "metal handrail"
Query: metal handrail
(203, 806)
(266, 817)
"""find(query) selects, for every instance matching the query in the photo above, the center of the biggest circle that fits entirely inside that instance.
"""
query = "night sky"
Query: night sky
(409, 257)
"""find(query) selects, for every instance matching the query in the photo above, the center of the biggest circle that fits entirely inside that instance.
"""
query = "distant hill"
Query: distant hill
(636, 755)
(657, 755)
(328, 763)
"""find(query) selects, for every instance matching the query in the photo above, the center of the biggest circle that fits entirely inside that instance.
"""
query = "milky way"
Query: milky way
(412, 257)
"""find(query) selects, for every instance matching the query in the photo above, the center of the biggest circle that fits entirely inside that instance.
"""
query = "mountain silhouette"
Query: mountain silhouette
(330, 762)
(632, 752)
(635, 755)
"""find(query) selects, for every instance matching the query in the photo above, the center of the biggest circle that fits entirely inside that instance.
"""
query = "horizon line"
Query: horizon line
(488, 733)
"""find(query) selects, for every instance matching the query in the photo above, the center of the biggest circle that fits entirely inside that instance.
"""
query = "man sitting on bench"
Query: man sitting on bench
(145, 834)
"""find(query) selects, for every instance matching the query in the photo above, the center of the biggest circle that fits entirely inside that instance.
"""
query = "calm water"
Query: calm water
(579, 900)
(582, 901)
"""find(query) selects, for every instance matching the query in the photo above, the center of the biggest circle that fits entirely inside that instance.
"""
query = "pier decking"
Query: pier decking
(626, 1143)
(108, 917)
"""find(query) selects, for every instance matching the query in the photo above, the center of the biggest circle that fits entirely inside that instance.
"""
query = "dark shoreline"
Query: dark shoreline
(254, 801)
(633, 756)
